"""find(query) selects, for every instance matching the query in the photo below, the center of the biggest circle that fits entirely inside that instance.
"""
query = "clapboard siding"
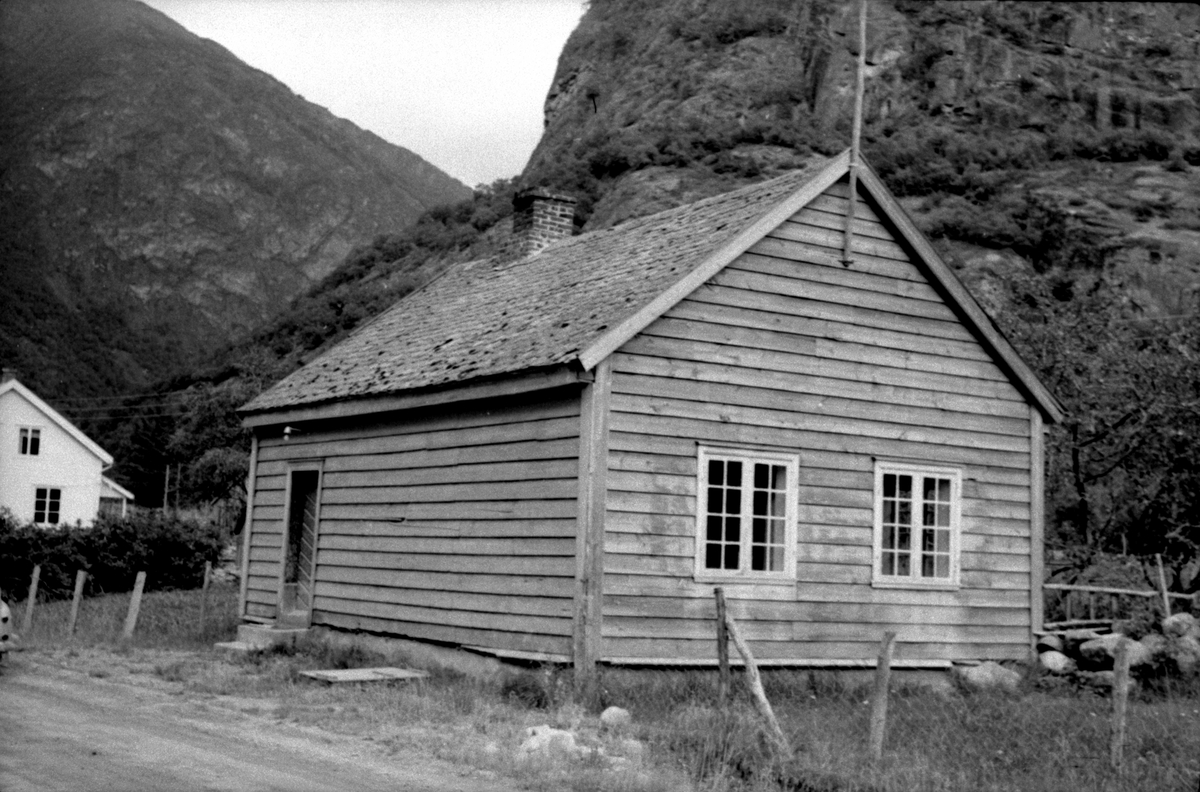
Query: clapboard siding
(455, 524)
(787, 350)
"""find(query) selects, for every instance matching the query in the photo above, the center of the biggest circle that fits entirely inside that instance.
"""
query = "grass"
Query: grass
(1037, 741)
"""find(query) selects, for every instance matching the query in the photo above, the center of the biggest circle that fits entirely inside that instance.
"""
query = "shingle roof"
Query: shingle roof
(488, 318)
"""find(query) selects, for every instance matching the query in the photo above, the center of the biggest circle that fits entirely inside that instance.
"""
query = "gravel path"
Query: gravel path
(61, 729)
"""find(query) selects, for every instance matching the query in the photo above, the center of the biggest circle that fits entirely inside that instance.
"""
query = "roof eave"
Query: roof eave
(527, 381)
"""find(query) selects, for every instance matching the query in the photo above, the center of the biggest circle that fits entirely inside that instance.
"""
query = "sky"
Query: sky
(459, 82)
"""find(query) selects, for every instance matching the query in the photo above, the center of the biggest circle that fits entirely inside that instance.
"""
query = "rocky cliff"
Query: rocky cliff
(1049, 133)
(158, 197)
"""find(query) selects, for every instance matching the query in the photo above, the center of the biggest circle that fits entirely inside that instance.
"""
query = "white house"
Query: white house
(50, 472)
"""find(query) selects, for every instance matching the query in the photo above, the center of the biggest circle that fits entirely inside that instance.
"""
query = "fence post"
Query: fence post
(1120, 704)
(722, 649)
(135, 605)
(756, 689)
(80, 577)
(30, 599)
(204, 594)
(1162, 587)
(879, 700)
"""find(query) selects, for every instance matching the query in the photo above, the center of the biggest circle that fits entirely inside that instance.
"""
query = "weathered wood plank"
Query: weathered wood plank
(829, 367)
(466, 529)
(501, 548)
(965, 410)
(820, 218)
(817, 612)
(496, 639)
(839, 206)
(723, 429)
(492, 434)
(542, 452)
(710, 305)
(701, 412)
(498, 604)
(515, 469)
(875, 355)
(856, 277)
(464, 564)
(832, 239)
(496, 583)
(499, 510)
(452, 492)
(833, 293)
(443, 616)
(705, 648)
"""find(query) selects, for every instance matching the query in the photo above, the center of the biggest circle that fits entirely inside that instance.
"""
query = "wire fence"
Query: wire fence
(51, 612)
(1124, 715)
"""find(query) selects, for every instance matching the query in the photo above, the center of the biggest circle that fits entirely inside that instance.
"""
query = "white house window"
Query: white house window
(31, 441)
(46, 505)
(917, 516)
(746, 516)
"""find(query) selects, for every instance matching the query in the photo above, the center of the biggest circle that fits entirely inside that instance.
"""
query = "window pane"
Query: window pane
(35, 445)
(733, 529)
(762, 476)
(714, 500)
(758, 533)
(889, 538)
(713, 534)
(905, 484)
(889, 485)
(779, 477)
(927, 540)
(760, 503)
(731, 556)
(778, 504)
(944, 490)
(712, 556)
(928, 514)
(777, 532)
(904, 538)
(905, 516)
(733, 501)
(927, 566)
(716, 472)
(889, 511)
(758, 558)
(24, 449)
(943, 566)
(889, 564)
(943, 515)
(776, 559)
(734, 473)
(902, 564)
(943, 541)
(929, 488)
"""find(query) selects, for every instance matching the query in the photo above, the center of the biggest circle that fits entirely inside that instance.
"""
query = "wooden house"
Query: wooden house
(560, 456)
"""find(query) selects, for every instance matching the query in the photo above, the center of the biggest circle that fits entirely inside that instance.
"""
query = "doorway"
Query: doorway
(300, 549)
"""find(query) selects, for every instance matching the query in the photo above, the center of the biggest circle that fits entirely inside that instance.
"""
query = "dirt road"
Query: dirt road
(64, 730)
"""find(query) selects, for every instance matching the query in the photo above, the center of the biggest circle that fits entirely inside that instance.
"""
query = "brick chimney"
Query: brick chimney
(540, 217)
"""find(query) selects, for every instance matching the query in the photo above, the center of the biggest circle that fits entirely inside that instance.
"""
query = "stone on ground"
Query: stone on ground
(615, 718)
(989, 676)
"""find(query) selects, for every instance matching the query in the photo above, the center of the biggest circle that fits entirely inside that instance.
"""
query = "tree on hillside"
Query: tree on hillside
(1124, 467)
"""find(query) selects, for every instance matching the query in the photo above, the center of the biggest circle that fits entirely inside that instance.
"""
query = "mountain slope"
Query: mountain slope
(159, 198)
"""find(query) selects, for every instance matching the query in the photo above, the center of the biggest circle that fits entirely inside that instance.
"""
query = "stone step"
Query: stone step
(265, 636)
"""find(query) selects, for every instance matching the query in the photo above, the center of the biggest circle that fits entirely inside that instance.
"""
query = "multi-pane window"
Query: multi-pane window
(916, 525)
(30, 442)
(746, 515)
(46, 505)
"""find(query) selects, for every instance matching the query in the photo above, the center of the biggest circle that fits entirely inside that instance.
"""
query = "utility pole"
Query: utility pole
(856, 132)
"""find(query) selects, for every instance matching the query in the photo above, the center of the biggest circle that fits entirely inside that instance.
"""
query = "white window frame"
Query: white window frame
(46, 510)
(791, 462)
(914, 579)
(25, 437)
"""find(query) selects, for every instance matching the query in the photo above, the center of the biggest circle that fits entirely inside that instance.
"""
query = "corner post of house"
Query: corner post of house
(251, 478)
(1037, 522)
(589, 546)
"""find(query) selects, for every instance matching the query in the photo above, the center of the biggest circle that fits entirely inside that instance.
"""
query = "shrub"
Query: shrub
(171, 551)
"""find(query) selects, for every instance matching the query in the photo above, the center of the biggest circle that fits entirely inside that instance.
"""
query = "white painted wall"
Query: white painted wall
(62, 462)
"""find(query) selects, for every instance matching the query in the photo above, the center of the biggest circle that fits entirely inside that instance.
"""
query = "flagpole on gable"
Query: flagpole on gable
(856, 132)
